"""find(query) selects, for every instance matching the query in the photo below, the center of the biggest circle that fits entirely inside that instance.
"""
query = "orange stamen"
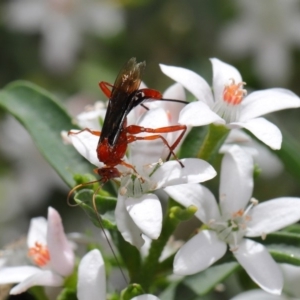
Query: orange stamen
(234, 93)
(39, 254)
(239, 213)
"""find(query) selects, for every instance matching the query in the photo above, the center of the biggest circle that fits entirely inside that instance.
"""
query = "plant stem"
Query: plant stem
(213, 142)
(149, 268)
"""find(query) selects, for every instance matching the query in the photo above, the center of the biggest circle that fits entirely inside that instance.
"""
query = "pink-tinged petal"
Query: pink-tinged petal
(263, 102)
(223, 74)
(91, 277)
(86, 144)
(200, 252)
(37, 232)
(264, 130)
(260, 266)
(197, 195)
(257, 295)
(145, 297)
(146, 212)
(153, 118)
(172, 173)
(175, 91)
(129, 230)
(17, 274)
(236, 183)
(273, 215)
(191, 81)
(198, 114)
(61, 253)
(43, 278)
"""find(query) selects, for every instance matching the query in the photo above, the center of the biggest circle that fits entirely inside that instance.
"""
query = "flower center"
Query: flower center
(135, 185)
(39, 254)
(234, 93)
(228, 106)
(231, 229)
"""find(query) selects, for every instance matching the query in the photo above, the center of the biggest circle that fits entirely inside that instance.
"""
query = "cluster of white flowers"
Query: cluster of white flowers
(232, 221)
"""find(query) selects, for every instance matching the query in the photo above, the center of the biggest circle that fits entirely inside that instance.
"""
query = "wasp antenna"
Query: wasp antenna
(144, 106)
(76, 188)
(175, 100)
(104, 232)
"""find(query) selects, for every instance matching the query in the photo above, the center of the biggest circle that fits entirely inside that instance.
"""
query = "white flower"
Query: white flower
(233, 222)
(62, 24)
(138, 209)
(268, 30)
(49, 250)
(228, 104)
(259, 295)
(91, 279)
(269, 164)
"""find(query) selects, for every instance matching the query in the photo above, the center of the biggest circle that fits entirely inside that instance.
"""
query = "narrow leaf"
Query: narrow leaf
(203, 282)
(44, 118)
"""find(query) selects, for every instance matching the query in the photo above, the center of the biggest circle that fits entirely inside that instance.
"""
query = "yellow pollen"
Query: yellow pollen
(234, 93)
(39, 254)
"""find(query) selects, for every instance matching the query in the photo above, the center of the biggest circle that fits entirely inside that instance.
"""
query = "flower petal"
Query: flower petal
(153, 118)
(291, 275)
(191, 81)
(258, 295)
(273, 215)
(198, 114)
(86, 144)
(145, 297)
(264, 130)
(198, 253)
(175, 91)
(198, 195)
(91, 277)
(17, 274)
(43, 278)
(260, 266)
(171, 173)
(37, 232)
(263, 102)
(236, 183)
(61, 253)
(223, 74)
(91, 119)
(129, 230)
(146, 212)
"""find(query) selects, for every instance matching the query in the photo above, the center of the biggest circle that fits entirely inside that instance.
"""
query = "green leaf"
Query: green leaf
(193, 142)
(203, 282)
(38, 292)
(44, 118)
(283, 246)
(105, 207)
(67, 294)
(170, 292)
(289, 154)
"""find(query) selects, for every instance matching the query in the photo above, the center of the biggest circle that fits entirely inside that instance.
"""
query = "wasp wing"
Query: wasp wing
(122, 100)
